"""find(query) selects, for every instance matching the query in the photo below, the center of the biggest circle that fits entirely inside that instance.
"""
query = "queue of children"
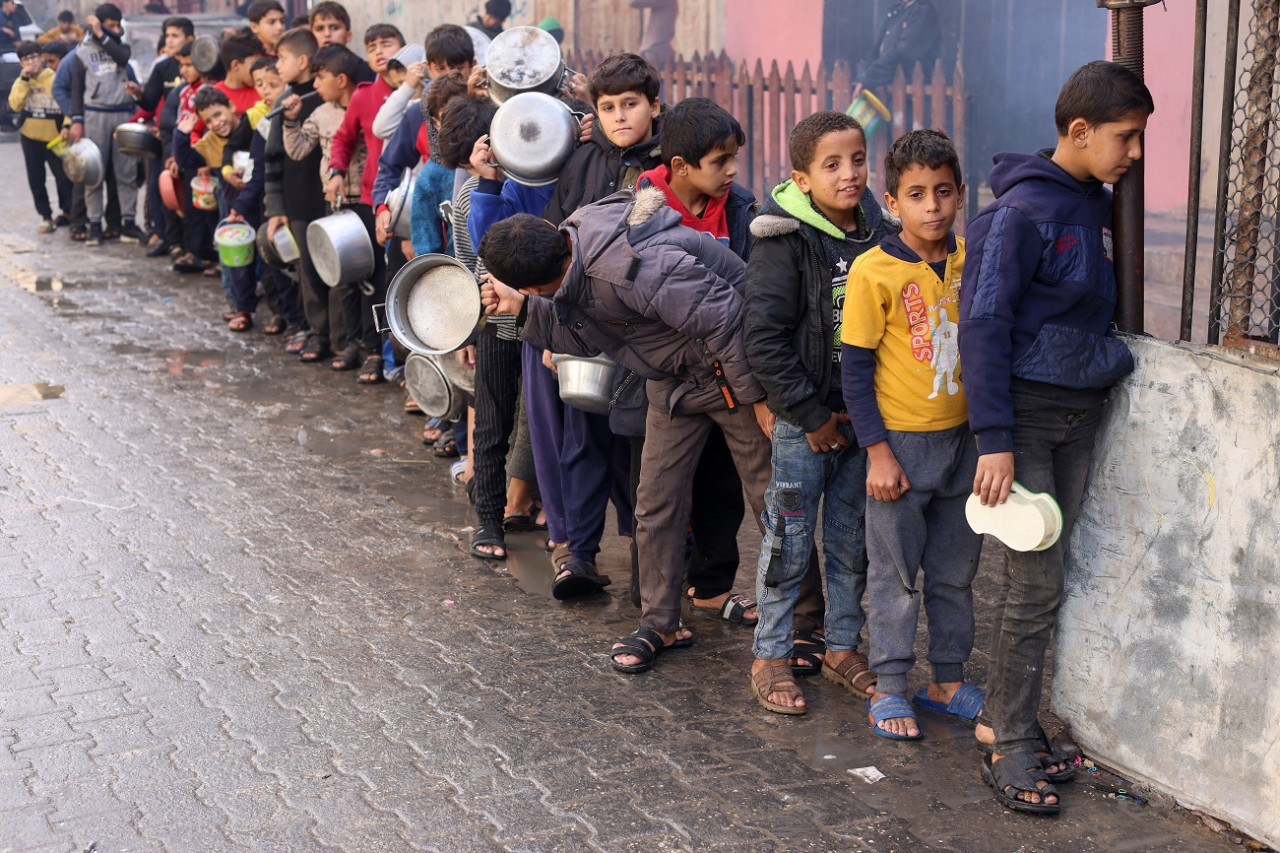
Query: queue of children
(800, 356)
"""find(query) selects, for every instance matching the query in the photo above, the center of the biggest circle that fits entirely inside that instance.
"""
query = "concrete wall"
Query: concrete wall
(1166, 651)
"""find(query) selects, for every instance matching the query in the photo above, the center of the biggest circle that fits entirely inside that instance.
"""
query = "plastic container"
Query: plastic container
(235, 243)
(204, 192)
(869, 111)
(1027, 521)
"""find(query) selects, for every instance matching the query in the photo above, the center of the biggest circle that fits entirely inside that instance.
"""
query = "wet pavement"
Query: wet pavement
(235, 615)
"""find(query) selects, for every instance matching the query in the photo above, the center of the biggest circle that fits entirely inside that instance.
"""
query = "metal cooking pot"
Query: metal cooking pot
(433, 306)
(586, 383)
(400, 205)
(531, 136)
(205, 54)
(269, 251)
(523, 59)
(480, 44)
(462, 378)
(340, 248)
(83, 163)
(428, 386)
(136, 140)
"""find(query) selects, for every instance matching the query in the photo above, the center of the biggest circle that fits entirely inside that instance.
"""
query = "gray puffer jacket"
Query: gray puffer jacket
(657, 297)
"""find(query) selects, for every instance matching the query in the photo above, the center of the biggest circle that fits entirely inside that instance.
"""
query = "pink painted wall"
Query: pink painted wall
(788, 31)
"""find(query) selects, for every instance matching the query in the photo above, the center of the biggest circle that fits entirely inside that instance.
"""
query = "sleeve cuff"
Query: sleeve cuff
(994, 441)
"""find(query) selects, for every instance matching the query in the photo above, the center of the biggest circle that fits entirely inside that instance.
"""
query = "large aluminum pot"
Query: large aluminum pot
(479, 43)
(523, 59)
(428, 386)
(83, 163)
(340, 248)
(400, 205)
(136, 140)
(463, 378)
(433, 306)
(206, 54)
(531, 136)
(586, 383)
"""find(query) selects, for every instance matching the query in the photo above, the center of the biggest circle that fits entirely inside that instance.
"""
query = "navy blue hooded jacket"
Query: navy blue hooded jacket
(1038, 292)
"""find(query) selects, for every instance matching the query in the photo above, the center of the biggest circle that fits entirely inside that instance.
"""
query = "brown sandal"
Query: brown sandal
(777, 678)
(853, 674)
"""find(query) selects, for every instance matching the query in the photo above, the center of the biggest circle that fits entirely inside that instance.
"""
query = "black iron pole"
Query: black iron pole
(1129, 207)
(1193, 176)
(1224, 162)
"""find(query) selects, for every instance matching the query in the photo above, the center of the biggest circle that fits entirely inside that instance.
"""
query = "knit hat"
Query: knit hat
(551, 25)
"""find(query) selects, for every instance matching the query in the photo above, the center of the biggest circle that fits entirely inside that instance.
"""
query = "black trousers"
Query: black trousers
(37, 155)
(497, 396)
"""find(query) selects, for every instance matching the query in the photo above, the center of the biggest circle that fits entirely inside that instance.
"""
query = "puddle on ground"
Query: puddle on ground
(179, 360)
(20, 395)
(130, 349)
(36, 283)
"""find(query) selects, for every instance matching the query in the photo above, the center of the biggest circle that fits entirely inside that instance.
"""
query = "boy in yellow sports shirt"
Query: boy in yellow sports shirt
(901, 379)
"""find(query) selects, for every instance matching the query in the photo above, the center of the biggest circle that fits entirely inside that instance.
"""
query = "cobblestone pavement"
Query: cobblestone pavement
(234, 615)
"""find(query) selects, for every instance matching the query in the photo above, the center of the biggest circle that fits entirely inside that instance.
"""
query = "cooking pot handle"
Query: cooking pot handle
(381, 324)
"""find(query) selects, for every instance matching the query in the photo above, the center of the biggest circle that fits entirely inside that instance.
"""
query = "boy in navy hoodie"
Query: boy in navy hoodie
(1039, 356)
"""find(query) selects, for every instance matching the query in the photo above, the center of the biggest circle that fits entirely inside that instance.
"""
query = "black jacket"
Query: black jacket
(293, 188)
(788, 311)
(598, 169)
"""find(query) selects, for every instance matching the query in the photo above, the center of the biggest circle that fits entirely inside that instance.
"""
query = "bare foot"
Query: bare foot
(667, 639)
(900, 726)
(787, 699)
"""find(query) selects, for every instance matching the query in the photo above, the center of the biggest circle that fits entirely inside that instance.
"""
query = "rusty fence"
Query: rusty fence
(769, 103)
(1245, 297)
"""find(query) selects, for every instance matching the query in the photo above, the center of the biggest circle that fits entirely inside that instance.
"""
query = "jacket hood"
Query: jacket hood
(787, 206)
(1011, 169)
(628, 216)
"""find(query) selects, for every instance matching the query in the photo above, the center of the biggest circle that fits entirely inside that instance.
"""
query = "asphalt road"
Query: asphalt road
(234, 615)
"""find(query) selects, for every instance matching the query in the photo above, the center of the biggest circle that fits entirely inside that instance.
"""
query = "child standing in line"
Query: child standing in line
(1040, 359)
(239, 52)
(811, 230)
(901, 381)
(266, 21)
(32, 96)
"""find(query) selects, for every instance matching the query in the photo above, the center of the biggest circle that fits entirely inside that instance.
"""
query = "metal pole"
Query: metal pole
(1193, 177)
(1224, 161)
(1128, 205)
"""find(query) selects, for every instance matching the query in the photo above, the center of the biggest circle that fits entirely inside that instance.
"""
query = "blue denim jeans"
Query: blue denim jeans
(1053, 436)
(803, 482)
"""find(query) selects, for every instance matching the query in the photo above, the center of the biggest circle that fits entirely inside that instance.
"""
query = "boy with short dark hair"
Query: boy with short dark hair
(808, 234)
(901, 374)
(293, 196)
(266, 21)
(238, 53)
(64, 30)
(163, 82)
(1040, 359)
(32, 97)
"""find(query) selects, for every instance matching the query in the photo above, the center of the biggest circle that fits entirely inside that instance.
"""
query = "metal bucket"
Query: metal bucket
(433, 306)
(428, 386)
(586, 383)
(523, 59)
(532, 135)
(340, 248)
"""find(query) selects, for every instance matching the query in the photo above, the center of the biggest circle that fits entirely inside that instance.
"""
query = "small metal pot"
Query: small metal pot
(433, 306)
(268, 249)
(83, 163)
(206, 55)
(136, 140)
(340, 248)
(428, 386)
(531, 136)
(523, 59)
(586, 383)
(400, 205)
(463, 378)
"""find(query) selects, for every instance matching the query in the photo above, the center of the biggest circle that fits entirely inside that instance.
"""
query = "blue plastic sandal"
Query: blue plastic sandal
(965, 705)
(889, 706)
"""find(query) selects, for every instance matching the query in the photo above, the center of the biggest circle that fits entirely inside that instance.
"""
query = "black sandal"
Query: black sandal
(808, 646)
(317, 349)
(445, 447)
(275, 326)
(646, 644)
(371, 371)
(582, 579)
(1053, 756)
(1017, 773)
(348, 359)
(488, 535)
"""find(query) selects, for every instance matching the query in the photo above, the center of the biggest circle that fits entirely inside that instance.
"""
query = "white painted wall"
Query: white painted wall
(1170, 630)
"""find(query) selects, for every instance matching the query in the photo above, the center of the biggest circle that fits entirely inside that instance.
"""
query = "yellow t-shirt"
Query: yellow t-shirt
(909, 316)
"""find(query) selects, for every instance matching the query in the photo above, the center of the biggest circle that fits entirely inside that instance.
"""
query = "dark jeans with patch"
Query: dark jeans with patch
(1054, 430)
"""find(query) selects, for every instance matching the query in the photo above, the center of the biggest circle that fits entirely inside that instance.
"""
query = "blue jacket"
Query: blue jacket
(433, 185)
(493, 201)
(1038, 292)
(399, 153)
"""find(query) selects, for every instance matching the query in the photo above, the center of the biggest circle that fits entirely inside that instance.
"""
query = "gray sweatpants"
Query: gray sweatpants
(99, 127)
(924, 529)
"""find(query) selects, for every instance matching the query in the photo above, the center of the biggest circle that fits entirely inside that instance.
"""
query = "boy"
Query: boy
(808, 234)
(901, 380)
(164, 80)
(32, 96)
(239, 51)
(202, 156)
(101, 101)
(65, 30)
(677, 323)
(266, 21)
(1040, 358)
(293, 195)
(335, 81)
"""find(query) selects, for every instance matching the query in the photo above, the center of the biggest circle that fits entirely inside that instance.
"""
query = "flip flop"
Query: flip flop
(965, 705)
(890, 706)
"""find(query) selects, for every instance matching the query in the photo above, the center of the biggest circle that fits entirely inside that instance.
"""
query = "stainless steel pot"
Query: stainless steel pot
(463, 378)
(83, 163)
(586, 383)
(205, 54)
(400, 205)
(270, 251)
(340, 248)
(523, 59)
(433, 306)
(428, 386)
(531, 136)
(136, 140)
